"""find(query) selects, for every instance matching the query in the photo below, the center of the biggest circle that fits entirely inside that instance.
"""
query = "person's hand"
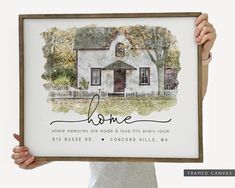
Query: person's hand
(205, 34)
(22, 157)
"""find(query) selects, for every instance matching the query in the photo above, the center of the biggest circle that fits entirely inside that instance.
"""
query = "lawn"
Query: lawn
(115, 105)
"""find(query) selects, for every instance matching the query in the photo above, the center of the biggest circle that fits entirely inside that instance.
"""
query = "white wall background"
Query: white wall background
(219, 103)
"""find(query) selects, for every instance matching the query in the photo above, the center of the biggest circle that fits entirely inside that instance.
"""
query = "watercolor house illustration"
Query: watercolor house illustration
(105, 60)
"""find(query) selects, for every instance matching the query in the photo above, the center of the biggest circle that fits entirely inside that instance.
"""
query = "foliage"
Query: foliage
(172, 60)
(83, 83)
(60, 56)
(62, 81)
(158, 39)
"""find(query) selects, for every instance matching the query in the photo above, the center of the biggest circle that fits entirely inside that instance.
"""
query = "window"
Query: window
(144, 76)
(120, 50)
(95, 76)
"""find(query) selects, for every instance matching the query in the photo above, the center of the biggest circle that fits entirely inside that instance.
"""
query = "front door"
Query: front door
(119, 80)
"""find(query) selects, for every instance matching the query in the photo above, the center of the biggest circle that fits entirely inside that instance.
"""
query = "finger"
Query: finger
(17, 137)
(200, 27)
(19, 155)
(21, 160)
(19, 149)
(35, 164)
(202, 17)
(207, 37)
(205, 30)
(27, 162)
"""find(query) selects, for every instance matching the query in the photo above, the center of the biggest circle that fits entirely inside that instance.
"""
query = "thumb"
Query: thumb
(17, 137)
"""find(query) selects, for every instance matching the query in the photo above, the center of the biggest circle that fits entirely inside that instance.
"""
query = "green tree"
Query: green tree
(163, 44)
(60, 56)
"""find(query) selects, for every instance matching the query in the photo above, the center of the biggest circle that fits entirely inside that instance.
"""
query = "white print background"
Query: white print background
(218, 129)
(183, 137)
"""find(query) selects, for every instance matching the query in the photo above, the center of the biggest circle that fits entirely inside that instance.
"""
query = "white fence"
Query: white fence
(75, 94)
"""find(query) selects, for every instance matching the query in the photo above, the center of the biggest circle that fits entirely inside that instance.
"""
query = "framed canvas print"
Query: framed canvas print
(111, 87)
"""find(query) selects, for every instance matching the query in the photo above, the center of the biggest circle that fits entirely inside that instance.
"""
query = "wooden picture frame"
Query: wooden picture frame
(48, 84)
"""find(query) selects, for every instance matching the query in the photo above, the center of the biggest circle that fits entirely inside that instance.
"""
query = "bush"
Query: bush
(62, 81)
(84, 84)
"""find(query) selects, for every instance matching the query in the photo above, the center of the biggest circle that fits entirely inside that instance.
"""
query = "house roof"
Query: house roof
(99, 38)
(119, 65)
(90, 38)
